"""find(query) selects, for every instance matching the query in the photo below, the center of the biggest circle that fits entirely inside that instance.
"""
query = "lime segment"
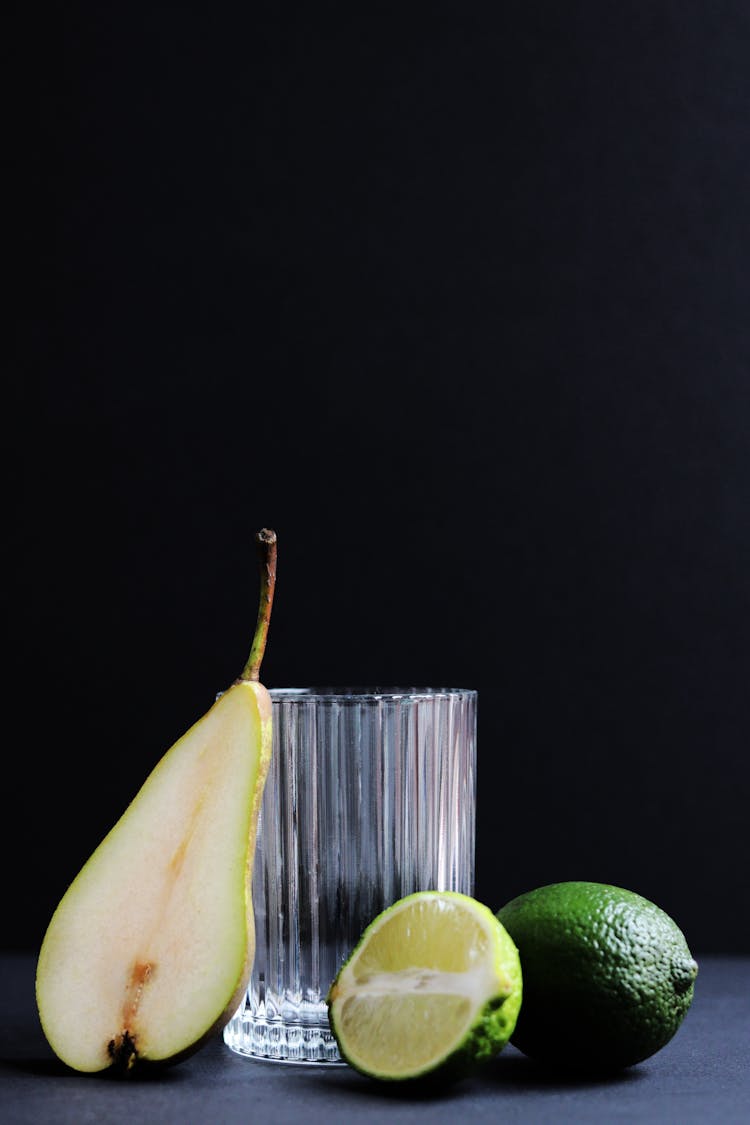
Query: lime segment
(433, 986)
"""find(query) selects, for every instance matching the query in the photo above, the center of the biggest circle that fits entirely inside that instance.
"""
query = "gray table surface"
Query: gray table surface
(703, 1075)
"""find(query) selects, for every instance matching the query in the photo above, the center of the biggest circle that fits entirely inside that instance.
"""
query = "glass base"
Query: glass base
(278, 1041)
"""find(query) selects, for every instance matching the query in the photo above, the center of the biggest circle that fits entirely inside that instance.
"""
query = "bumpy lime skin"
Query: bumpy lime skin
(608, 976)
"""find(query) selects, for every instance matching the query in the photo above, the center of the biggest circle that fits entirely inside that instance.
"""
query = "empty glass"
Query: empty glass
(370, 796)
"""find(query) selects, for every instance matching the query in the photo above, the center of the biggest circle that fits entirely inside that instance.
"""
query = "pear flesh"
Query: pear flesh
(150, 949)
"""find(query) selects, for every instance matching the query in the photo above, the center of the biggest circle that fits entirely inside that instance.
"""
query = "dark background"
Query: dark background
(456, 302)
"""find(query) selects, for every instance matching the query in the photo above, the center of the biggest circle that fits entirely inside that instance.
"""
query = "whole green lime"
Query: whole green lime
(608, 976)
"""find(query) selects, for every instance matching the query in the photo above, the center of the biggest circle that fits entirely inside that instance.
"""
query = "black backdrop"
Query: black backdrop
(459, 305)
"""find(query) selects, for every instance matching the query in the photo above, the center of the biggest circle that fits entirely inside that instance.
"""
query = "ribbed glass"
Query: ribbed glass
(370, 796)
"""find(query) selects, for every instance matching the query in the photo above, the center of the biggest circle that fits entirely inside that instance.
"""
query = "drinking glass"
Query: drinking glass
(370, 796)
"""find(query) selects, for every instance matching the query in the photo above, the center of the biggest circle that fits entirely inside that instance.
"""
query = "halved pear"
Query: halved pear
(150, 949)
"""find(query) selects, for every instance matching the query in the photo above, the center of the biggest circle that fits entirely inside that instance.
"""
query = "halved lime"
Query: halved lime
(432, 987)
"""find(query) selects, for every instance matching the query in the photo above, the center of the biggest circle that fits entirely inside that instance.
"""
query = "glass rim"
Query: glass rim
(366, 694)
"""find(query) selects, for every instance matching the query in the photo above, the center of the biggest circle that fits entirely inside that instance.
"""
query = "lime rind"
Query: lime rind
(422, 1021)
(608, 975)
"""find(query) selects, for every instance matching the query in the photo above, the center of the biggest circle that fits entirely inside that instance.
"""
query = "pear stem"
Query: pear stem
(266, 543)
